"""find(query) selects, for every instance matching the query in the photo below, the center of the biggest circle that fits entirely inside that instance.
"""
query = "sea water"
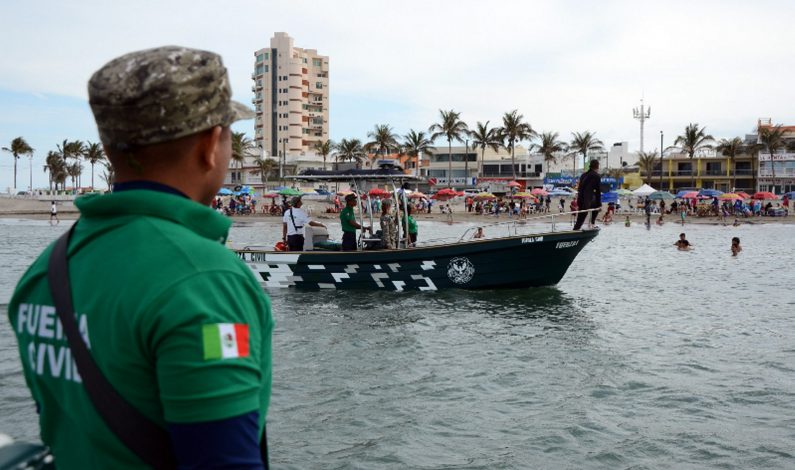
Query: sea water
(641, 357)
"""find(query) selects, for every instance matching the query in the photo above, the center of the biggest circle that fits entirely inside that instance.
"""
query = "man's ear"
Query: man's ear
(208, 147)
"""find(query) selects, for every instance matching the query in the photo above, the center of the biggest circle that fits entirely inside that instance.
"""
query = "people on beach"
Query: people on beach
(660, 220)
(349, 224)
(180, 327)
(411, 225)
(54, 213)
(589, 195)
(293, 223)
(736, 248)
(682, 244)
(479, 233)
(627, 222)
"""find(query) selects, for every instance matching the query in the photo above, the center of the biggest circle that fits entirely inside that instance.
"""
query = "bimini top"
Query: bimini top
(355, 174)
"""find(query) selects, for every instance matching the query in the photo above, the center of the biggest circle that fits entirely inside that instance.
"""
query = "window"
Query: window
(259, 69)
(317, 62)
(319, 85)
(260, 58)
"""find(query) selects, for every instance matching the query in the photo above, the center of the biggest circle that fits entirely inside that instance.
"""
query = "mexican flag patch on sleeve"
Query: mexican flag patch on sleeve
(225, 340)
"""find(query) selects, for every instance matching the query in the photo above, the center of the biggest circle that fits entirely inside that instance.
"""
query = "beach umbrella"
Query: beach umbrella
(290, 192)
(224, 192)
(539, 192)
(555, 193)
(743, 194)
(730, 197)
(789, 195)
(417, 195)
(524, 195)
(765, 195)
(684, 194)
(514, 184)
(623, 192)
(661, 195)
(710, 192)
(612, 196)
(379, 192)
(271, 194)
(485, 196)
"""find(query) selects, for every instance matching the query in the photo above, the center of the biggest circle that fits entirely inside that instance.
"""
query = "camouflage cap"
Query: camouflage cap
(162, 94)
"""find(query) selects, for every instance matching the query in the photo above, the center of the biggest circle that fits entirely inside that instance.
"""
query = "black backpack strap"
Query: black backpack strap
(150, 442)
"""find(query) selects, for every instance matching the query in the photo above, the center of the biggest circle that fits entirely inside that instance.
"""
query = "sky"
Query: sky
(567, 66)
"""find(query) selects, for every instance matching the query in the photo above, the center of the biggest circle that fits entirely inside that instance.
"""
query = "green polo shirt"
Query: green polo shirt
(152, 285)
(346, 217)
(412, 224)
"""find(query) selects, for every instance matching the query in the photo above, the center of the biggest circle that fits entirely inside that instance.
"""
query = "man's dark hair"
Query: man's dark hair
(593, 165)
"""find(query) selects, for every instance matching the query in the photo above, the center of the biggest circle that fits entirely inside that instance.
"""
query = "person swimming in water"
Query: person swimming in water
(736, 248)
(682, 243)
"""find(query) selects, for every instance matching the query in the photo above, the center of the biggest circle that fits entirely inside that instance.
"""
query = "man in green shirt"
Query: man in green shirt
(412, 225)
(174, 321)
(349, 224)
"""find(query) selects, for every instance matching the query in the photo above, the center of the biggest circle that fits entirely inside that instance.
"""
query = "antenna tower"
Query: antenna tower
(641, 114)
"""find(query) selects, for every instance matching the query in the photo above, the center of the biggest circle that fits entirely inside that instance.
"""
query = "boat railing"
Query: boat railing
(511, 228)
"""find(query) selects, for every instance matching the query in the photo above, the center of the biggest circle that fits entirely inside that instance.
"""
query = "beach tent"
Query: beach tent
(644, 190)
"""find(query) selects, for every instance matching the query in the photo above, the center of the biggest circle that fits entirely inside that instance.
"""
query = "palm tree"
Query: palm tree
(55, 166)
(94, 154)
(513, 130)
(324, 148)
(108, 175)
(266, 166)
(483, 137)
(74, 171)
(646, 162)
(241, 148)
(773, 139)
(18, 148)
(730, 148)
(452, 128)
(416, 143)
(383, 139)
(549, 146)
(351, 149)
(693, 140)
(582, 143)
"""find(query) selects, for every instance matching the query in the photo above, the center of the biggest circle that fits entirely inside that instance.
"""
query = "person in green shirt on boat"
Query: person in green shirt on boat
(349, 224)
(412, 225)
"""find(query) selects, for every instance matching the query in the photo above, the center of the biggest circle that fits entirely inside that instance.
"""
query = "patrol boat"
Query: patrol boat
(520, 255)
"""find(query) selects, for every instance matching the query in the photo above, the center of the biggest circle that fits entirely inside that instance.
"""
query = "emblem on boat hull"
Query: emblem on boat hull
(460, 270)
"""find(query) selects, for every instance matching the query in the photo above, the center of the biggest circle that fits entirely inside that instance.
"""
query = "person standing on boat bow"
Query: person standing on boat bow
(589, 195)
(166, 316)
(349, 224)
(293, 223)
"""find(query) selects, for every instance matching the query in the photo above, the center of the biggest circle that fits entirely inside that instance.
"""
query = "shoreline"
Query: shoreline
(40, 210)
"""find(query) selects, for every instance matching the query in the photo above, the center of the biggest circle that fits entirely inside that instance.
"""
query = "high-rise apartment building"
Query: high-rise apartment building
(291, 97)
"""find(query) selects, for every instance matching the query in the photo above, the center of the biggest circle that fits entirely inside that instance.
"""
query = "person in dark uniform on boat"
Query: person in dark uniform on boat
(349, 224)
(588, 194)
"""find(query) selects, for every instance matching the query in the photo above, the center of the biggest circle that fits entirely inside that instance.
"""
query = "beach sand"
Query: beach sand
(27, 208)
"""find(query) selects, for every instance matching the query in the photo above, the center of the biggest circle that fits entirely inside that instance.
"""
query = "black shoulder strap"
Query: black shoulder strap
(146, 439)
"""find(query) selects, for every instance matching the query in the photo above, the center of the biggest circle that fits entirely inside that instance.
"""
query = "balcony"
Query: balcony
(715, 173)
(519, 174)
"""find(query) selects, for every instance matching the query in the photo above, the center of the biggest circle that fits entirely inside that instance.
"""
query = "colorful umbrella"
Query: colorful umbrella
(623, 192)
(224, 192)
(379, 192)
(710, 192)
(539, 192)
(271, 195)
(765, 195)
(485, 196)
(661, 195)
(743, 194)
(514, 184)
(730, 197)
(417, 195)
(687, 194)
(290, 192)
(524, 195)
